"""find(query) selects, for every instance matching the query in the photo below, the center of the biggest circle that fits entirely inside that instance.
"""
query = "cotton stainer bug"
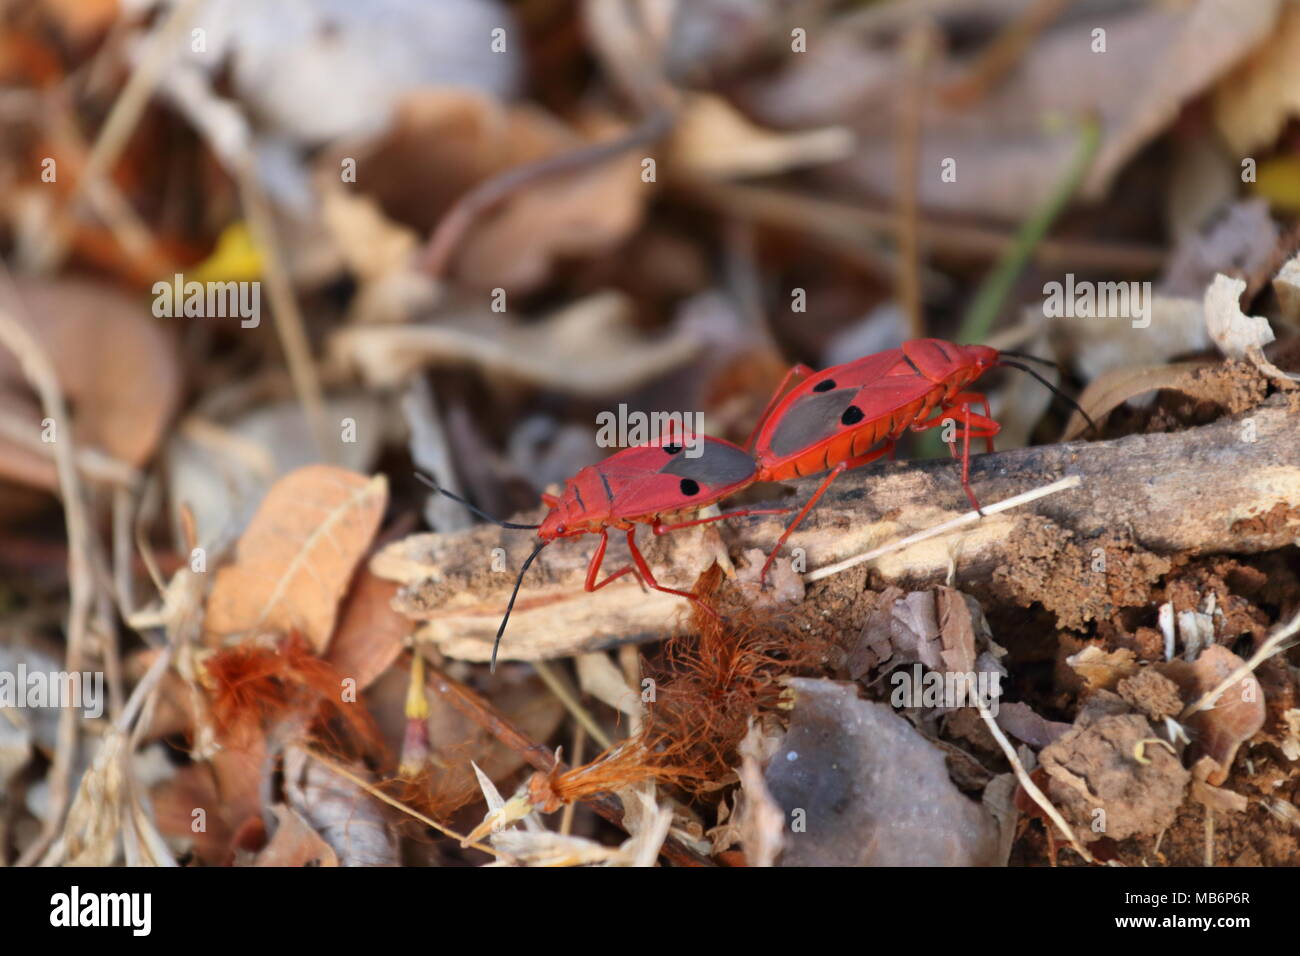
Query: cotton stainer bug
(647, 484)
(852, 414)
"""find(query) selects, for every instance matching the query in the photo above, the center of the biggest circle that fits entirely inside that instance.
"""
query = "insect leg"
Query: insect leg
(821, 490)
(985, 426)
(649, 578)
(593, 569)
(978, 426)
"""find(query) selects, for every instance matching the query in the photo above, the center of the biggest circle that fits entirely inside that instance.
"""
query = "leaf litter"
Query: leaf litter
(256, 482)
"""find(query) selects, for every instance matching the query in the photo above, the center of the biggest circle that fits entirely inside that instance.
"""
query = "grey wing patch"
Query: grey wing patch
(717, 466)
(811, 419)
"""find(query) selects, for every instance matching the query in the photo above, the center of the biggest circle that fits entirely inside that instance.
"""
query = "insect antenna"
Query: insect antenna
(425, 479)
(514, 594)
(1075, 405)
(1032, 358)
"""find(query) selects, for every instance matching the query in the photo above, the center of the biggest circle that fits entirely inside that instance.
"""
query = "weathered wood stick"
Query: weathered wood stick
(1229, 487)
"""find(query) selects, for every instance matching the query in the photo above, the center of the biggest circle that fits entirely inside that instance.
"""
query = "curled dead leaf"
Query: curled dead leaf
(1116, 386)
(295, 843)
(117, 367)
(599, 327)
(1236, 716)
(294, 561)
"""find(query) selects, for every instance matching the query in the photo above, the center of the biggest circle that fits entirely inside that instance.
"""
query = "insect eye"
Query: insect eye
(852, 415)
(825, 385)
(672, 449)
(690, 487)
(560, 529)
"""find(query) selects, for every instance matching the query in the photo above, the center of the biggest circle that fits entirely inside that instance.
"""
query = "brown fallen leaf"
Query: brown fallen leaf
(117, 366)
(295, 843)
(568, 215)
(370, 634)
(212, 803)
(1024, 723)
(346, 817)
(938, 628)
(1097, 345)
(1102, 670)
(760, 821)
(1252, 103)
(1237, 715)
(1009, 159)
(1115, 387)
(600, 327)
(712, 138)
(294, 561)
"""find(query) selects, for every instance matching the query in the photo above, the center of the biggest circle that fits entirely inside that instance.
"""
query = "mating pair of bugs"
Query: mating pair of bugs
(829, 421)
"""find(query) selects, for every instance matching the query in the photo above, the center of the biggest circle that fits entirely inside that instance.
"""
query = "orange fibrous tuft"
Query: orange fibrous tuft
(708, 685)
(258, 686)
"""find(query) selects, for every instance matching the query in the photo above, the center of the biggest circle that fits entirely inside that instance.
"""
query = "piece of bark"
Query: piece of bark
(1196, 491)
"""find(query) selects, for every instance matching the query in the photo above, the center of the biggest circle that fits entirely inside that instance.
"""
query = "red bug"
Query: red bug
(852, 414)
(645, 484)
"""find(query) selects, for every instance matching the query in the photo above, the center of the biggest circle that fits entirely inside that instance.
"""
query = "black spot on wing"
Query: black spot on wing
(810, 420)
(825, 385)
(717, 466)
(690, 487)
(852, 415)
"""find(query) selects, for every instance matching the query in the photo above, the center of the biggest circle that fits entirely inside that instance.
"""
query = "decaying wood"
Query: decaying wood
(1216, 488)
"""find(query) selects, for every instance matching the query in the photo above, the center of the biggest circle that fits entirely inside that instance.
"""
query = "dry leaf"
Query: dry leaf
(294, 561)
(347, 818)
(370, 634)
(598, 677)
(616, 356)
(760, 822)
(1237, 715)
(1116, 386)
(316, 72)
(1010, 155)
(937, 628)
(1253, 102)
(1024, 723)
(226, 788)
(713, 139)
(82, 20)
(219, 471)
(295, 843)
(1225, 801)
(1098, 345)
(1234, 332)
(563, 216)
(117, 366)
(1100, 669)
